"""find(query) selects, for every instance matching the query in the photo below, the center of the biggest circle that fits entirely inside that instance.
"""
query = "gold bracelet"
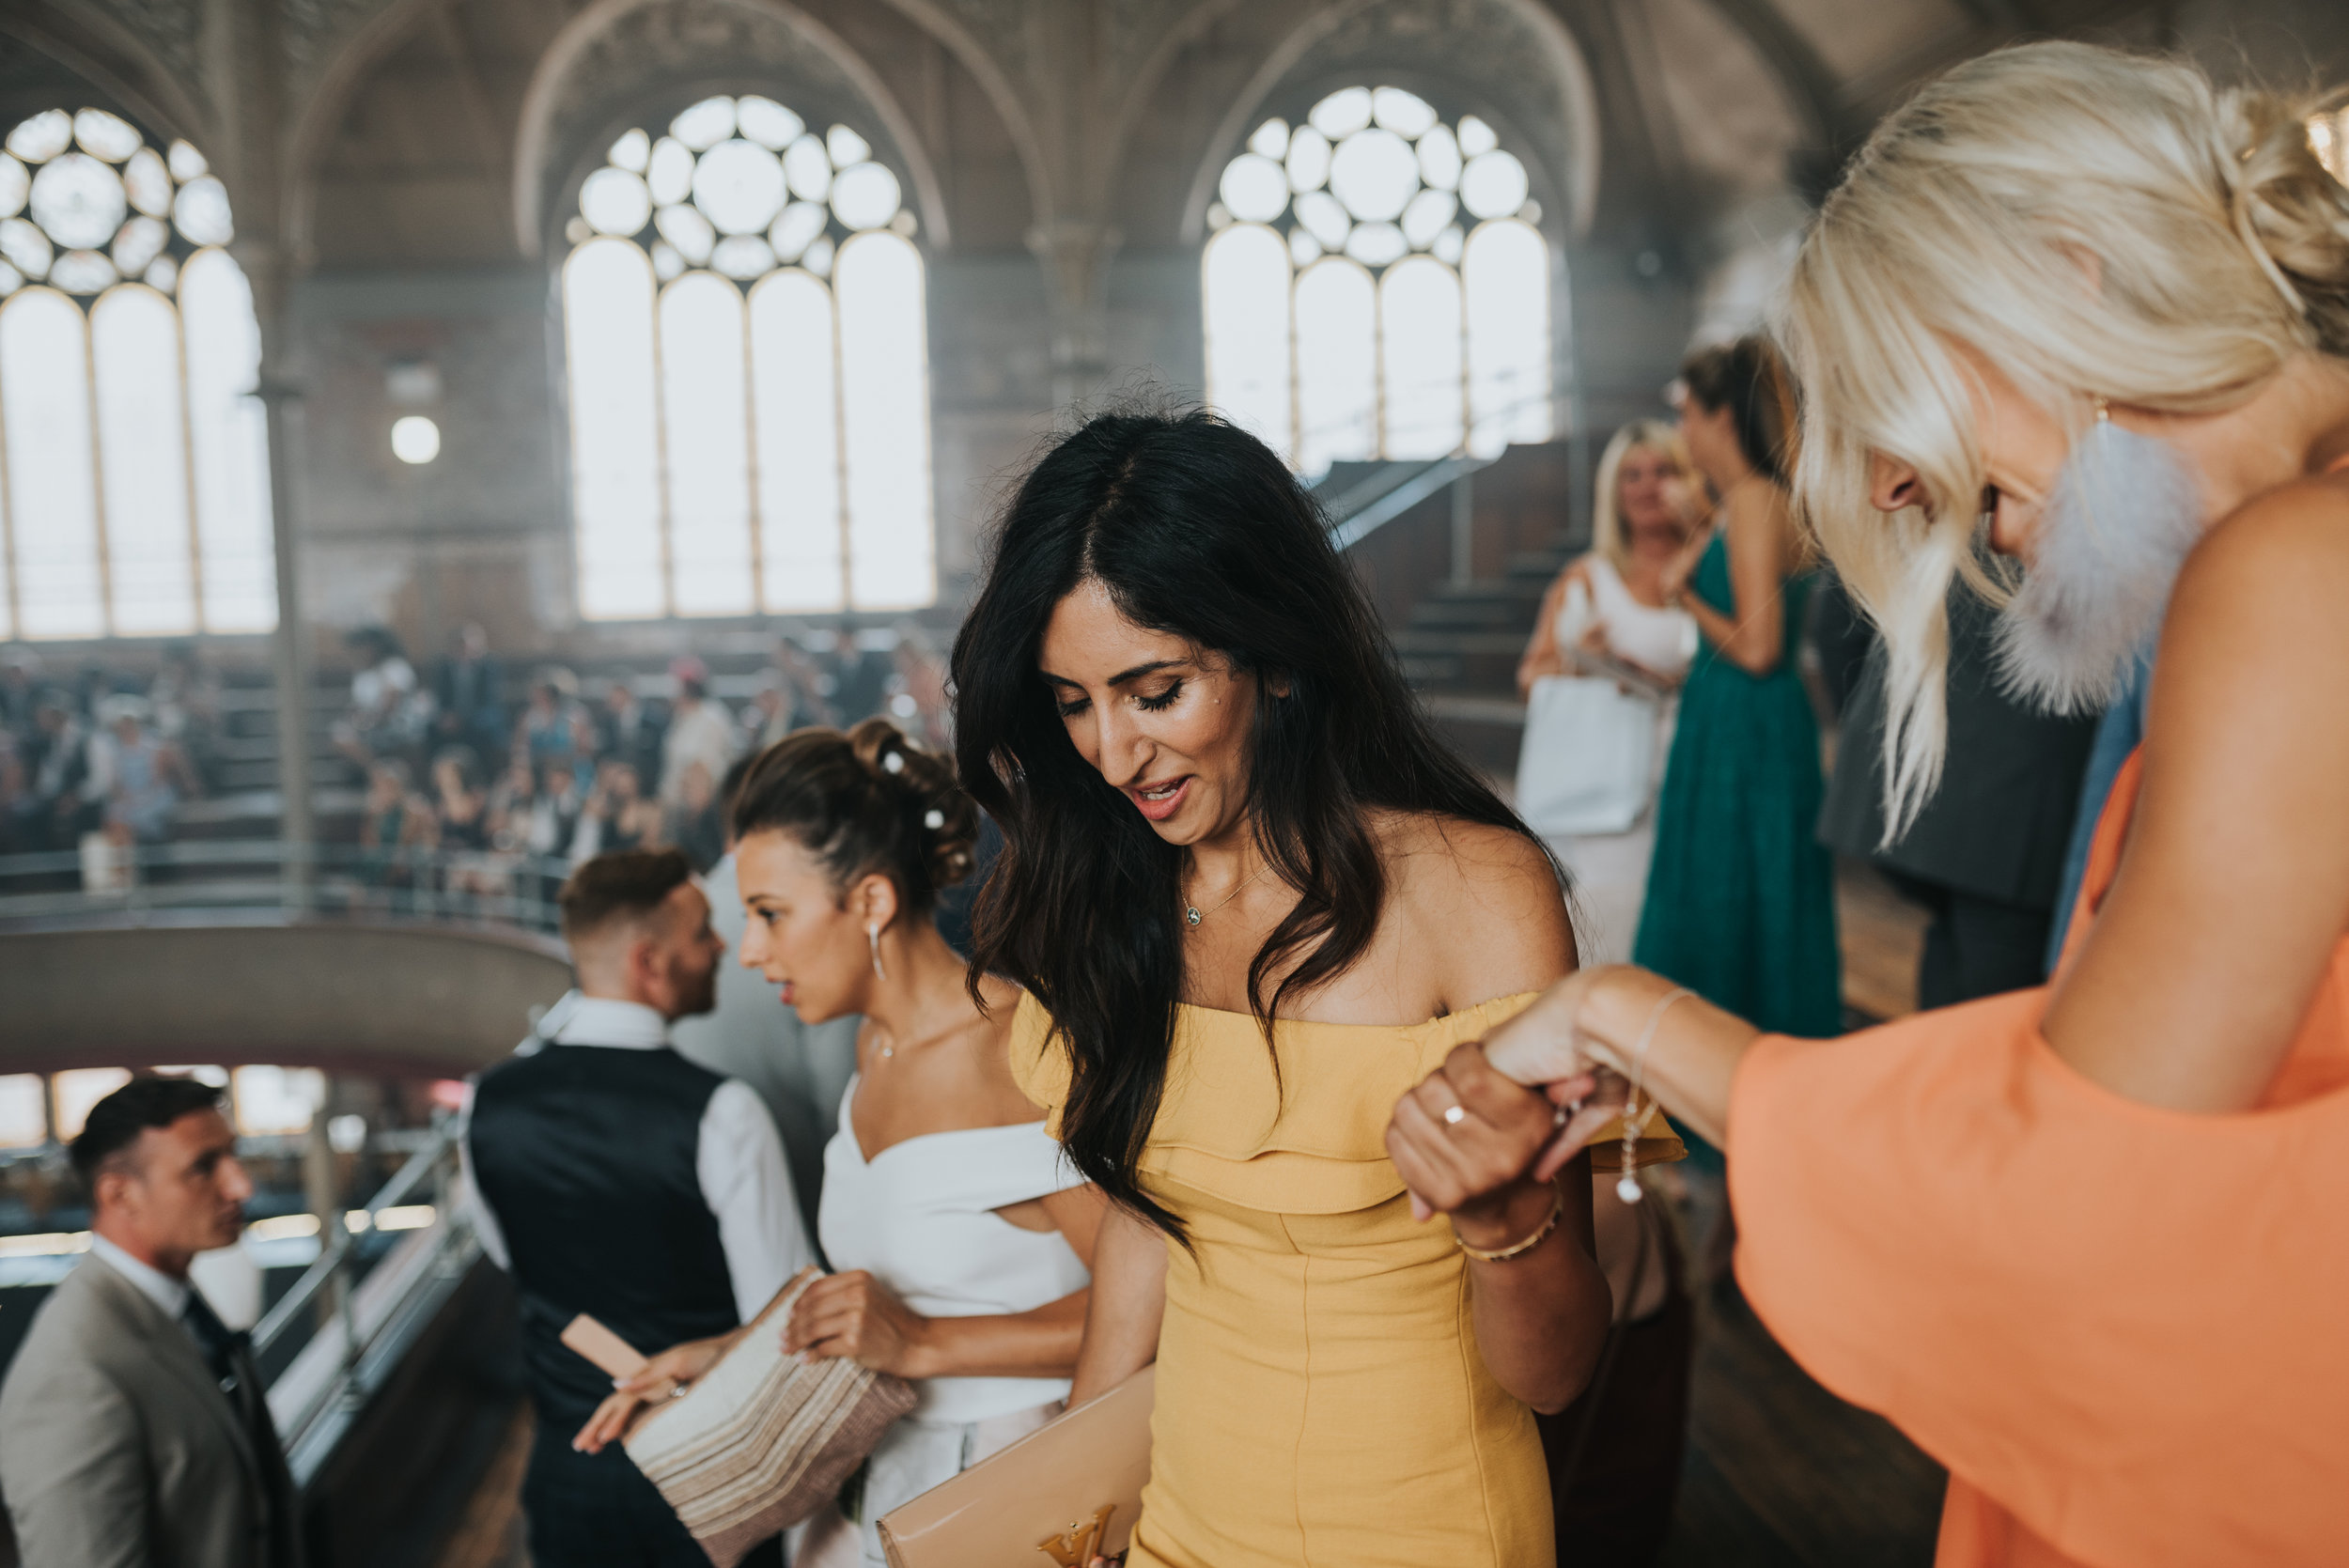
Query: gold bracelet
(1557, 1212)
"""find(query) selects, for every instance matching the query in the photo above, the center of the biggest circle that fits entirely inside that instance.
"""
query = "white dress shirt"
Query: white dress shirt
(739, 1161)
(169, 1295)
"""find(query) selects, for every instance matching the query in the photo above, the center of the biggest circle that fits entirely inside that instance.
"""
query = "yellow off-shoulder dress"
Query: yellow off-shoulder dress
(1321, 1395)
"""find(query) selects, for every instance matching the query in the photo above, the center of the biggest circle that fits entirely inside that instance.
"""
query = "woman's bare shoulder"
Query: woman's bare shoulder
(1000, 1097)
(2304, 523)
(2230, 895)
(1001, 998)
(1481, 905)
(2267, 591)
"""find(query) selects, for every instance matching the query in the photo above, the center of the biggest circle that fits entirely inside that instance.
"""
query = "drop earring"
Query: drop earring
(872, 936)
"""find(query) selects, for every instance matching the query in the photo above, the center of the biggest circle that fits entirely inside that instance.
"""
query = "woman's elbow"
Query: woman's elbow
(1754, 661)
(1578, 1339)
(1573, 1372)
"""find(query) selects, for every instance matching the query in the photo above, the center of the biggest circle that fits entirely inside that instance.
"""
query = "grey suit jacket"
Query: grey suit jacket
(119, 1449)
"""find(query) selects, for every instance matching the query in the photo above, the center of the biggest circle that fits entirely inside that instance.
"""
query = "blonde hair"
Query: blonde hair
(1640, 435)
(2093, 223)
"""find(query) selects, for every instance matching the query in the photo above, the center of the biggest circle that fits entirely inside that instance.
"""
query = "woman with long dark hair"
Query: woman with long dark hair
(1252, 900)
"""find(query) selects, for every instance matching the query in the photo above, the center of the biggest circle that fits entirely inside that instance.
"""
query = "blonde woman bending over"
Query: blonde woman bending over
(2087, 1243)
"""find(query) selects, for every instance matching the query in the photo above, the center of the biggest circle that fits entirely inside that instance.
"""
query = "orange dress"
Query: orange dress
(2121, 1328)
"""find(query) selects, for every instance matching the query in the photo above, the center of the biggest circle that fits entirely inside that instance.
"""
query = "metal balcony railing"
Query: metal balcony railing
(337, 1335)
(259, 881)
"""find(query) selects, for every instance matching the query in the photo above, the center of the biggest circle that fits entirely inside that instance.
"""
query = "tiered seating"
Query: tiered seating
(1460, 641)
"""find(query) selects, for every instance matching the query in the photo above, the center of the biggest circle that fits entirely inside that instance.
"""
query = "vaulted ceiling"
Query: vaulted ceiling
(420, 132)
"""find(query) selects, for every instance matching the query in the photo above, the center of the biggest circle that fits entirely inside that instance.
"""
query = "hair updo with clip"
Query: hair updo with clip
(864, 802)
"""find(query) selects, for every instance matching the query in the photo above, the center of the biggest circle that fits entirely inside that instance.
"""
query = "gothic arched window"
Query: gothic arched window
(133, 457)
(749, 373)
(1376, 287)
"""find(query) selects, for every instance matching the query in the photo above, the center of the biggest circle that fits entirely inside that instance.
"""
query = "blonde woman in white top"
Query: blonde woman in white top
(963, 1240)
(1610, 608)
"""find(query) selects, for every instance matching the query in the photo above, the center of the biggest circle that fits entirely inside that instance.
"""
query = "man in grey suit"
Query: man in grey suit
(132, 1427)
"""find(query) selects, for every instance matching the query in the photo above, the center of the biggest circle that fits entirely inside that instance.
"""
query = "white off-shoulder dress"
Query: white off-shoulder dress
(919, 1217)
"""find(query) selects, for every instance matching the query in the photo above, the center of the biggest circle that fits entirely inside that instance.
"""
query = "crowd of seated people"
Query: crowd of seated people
(461, 783)
(102, 756)
(470, 798)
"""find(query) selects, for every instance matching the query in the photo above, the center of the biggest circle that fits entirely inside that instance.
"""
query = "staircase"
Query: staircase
(1460, 636)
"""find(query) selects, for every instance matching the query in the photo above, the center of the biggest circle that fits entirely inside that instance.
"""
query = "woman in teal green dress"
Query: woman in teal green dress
(1740, 896)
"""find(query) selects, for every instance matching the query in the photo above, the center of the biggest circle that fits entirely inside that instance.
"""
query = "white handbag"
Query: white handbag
(1589, 755)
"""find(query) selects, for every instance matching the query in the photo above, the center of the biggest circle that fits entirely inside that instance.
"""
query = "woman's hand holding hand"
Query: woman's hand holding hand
(856, 1316)
(1578, 1041)
(1544, 1044)
(1466, 1142)
(662, 1377)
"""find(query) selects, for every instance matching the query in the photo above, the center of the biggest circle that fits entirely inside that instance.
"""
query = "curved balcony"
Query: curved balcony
(246, 953)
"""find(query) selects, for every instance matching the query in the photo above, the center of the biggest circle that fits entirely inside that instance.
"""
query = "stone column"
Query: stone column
(1076, 256)
(246, 64)
(289, 648)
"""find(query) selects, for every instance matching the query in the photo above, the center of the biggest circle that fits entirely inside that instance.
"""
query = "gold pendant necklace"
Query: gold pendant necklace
(1191, 911)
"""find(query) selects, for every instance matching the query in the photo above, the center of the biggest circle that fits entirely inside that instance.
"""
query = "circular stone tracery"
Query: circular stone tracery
(85, 202)
(741, 186)
(1374, 174)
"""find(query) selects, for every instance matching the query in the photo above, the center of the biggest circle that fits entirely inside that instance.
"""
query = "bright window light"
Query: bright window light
(1410, 339)
(275, 1100)
(23, 1111)
(705, 407)
(1337, 363)
(52, 482)
(752, 438)
(1419, 327)
(884, 376)
(1505, 274)
(616, 430)
(142, 447)
(416, 439)
(229, 441)
(78, 1091)
(802, 564)
(1247, 302)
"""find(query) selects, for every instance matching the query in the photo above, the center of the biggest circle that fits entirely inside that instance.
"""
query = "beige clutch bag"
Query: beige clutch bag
(760, 1440)
(1070, 1490)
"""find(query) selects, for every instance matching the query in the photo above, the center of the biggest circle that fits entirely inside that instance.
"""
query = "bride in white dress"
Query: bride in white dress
(1606, 655)
(961, 1238)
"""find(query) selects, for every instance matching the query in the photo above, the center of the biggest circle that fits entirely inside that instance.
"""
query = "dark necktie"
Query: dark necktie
(218, 1342)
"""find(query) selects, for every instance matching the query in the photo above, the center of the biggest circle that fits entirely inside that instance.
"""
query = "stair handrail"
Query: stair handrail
(355, 1351)
(334, 1260)
(1371, 502)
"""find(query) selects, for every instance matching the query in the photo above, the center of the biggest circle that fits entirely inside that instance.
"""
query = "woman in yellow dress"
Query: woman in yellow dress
(1252, 900)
